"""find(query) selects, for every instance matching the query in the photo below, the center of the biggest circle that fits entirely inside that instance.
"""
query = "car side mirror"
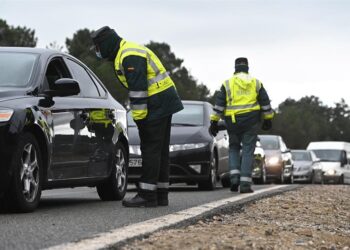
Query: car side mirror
(222, 125)
(317, 160)
(64, 87)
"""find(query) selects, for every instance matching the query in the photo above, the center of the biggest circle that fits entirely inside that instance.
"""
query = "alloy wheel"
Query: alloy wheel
(213, 171)
(29, 174)
(120, 165)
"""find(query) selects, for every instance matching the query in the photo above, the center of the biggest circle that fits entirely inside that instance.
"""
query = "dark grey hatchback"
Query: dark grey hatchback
(59, 127)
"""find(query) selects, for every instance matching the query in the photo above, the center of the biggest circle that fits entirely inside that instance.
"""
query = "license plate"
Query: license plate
(135, 163)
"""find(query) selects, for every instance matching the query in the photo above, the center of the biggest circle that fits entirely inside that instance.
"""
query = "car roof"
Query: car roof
(300, 151)
(40, 51)
(339, 145)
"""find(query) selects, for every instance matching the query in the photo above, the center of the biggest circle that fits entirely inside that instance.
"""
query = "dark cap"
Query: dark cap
(241, 61)
(102, 34)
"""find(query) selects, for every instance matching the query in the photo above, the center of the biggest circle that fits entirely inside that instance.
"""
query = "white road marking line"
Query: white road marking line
(113, 237)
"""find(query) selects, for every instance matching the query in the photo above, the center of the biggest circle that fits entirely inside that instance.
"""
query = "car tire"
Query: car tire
(262, 179)
(341, 180)
(116, 185)
(313, 178)
(210, 183)
(281, 179)
(25, 188)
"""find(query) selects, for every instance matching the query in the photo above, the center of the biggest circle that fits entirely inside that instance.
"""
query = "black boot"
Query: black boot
(234, 187)
(162, 197)
(246, 188)
(234, 179)
(141, 200)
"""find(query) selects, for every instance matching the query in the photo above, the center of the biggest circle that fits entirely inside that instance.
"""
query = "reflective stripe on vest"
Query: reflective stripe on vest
(158, 79)
(241, 95)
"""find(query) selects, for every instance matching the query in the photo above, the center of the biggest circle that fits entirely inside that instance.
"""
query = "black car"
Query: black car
(195, 155)
(59, 127)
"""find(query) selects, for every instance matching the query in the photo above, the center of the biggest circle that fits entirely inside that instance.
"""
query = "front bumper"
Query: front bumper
(180, 166)
(302, 176)
(331, 178)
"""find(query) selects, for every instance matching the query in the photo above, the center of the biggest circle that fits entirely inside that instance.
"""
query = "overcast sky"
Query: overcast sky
(295, 48)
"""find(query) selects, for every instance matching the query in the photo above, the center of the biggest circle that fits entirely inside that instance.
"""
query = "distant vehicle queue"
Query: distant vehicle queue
(198, 158)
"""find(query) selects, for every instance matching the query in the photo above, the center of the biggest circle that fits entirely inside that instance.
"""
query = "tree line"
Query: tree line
(297, 121)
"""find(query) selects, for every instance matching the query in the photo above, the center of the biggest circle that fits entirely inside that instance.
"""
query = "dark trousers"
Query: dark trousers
(241, 164)
(155, 139)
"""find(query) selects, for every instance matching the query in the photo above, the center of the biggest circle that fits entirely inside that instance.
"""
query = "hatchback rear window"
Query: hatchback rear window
(16, 69)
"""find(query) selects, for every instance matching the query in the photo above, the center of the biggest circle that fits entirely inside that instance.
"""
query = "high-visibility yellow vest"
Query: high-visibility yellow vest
(241, 95)
(158, 78)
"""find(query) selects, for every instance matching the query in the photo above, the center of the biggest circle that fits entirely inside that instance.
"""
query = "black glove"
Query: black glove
(214, 129)
(267, 125)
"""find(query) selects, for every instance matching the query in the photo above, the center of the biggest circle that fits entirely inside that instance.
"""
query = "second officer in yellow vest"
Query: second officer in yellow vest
(153, 100)
(242, 101)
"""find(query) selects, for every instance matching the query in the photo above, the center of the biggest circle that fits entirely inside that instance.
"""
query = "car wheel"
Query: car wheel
(116, 185)
(313, 178)
(25, 190)
(264, 178)
(341, 180)
(210, 183)
(281, 177)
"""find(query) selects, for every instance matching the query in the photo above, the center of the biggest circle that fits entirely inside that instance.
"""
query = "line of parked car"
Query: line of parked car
(60, 127)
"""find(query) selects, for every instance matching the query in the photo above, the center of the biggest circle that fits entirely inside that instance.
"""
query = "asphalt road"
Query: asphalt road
(66, 215)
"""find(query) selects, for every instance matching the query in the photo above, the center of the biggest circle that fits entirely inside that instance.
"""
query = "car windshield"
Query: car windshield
(301, 156)
(16, 69)
(269, 143)
(328, 154)
(191, 115)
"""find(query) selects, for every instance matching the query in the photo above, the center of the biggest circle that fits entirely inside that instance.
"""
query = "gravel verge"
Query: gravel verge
(312, 217)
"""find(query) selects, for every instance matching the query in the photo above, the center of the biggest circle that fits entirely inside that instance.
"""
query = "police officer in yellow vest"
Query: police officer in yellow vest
(153, 100)
(241, 102)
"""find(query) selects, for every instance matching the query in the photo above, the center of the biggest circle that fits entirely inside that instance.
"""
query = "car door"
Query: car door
(222, 143)
(100, 115)
(70, 142)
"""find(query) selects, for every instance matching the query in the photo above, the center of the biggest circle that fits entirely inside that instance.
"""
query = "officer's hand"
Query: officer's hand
(267, 125)
(214, 129)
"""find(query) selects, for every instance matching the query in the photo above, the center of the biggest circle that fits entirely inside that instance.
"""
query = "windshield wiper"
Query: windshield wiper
(184, 124)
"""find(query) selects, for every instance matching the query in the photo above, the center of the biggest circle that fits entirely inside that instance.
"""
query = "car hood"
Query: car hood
(179, 135)
(302, 165)
(329, 165)
(9, 94)
(270, 153)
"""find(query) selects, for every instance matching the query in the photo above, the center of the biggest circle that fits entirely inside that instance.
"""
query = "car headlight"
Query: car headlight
(179, 147)
(331, 172)
(273, 160)
(5, 115)
(135, 149)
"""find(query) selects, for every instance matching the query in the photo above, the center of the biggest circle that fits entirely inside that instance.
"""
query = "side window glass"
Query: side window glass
(98, 85)
(55, 70)
(87, 86)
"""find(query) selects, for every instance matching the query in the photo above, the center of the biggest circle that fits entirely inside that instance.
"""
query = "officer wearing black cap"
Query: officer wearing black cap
(242, 102)
(153, 100)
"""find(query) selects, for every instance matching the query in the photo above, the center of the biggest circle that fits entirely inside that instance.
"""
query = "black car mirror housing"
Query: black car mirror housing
(64, 87)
